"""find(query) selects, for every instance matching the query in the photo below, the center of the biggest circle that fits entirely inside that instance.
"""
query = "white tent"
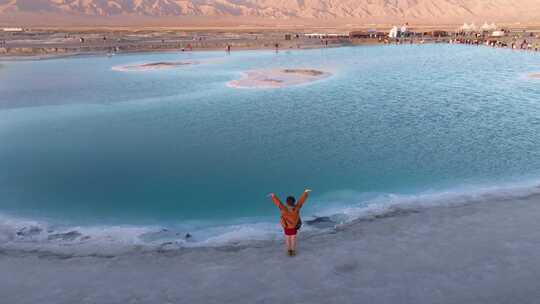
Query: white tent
(468, 27)
(488, 27)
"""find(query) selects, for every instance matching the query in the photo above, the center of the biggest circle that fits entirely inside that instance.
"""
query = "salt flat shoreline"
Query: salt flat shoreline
(46, 43)
(53, 43)
(485, 252)
(37, 57)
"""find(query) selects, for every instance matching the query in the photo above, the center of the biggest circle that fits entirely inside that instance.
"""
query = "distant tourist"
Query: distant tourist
(290, 218)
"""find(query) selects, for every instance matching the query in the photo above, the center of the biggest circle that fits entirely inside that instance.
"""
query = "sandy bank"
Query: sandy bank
(306, 72)
(478, 253)
(535, 75)
(152, 66)
(277, 78)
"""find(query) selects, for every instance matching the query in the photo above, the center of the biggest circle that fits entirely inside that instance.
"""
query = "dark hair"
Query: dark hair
(291, 201)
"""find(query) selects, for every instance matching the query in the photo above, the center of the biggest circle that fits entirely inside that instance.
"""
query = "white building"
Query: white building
(398, 32)
(498, 34)
(326, 35)
(314, 35)
(394, 32)
(13, 29)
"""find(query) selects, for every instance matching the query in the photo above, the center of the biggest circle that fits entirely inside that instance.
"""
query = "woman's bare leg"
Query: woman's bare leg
(293, 242)
(288, 242)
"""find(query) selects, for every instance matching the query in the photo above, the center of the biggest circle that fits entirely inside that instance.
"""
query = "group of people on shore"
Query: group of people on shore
(515, 45)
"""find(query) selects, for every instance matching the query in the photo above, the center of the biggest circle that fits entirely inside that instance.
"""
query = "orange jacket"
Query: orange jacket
(290, 215)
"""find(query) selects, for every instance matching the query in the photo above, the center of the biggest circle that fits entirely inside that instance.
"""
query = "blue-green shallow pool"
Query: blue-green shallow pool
(81, 143)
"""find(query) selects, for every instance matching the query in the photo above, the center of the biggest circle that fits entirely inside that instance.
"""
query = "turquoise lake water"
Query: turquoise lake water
(84, 145)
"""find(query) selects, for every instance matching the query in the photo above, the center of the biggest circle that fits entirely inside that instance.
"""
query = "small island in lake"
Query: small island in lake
(277, 78)
(152, 66)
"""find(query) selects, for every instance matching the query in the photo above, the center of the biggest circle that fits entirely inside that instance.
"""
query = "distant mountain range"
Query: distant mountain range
(414, 10)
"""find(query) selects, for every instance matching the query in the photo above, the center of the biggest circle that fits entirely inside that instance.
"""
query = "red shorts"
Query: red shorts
(289, 231)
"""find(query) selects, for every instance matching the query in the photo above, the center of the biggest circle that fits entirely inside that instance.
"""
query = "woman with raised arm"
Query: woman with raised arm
(290, 218)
